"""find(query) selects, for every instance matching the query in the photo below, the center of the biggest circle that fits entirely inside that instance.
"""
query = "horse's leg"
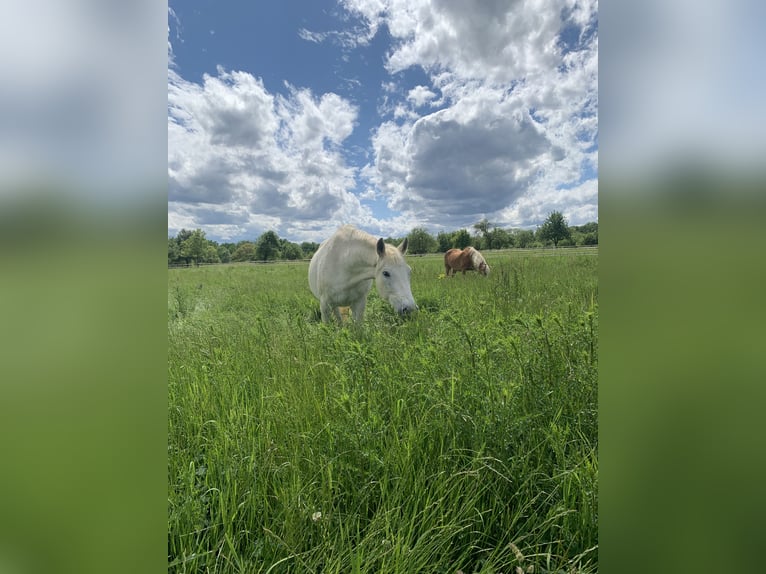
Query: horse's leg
(327, 311)
(357, 310)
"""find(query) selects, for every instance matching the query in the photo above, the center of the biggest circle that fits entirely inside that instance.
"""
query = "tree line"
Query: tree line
(192, 247)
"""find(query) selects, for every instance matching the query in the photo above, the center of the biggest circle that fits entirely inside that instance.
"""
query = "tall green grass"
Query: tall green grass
(462, 439)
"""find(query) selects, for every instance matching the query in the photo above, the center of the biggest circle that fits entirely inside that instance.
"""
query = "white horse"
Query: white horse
(342, 269)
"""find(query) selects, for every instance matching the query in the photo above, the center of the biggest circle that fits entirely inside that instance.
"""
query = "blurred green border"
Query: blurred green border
(681, 373)
(83, 297)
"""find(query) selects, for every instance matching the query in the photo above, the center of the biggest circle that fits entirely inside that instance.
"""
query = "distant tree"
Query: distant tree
(211, 253)
(420, 241)
(224, 254)
(174, 251)
(228, 248)
(245, 251)
(267, 246)
(500, 238)
(291, 251)
(483, 228)
(443, 241)
(194, 247)
(309, 248)
(183, 235)
(554, 228)
(585, 234)
(462, 239)
(523, 237)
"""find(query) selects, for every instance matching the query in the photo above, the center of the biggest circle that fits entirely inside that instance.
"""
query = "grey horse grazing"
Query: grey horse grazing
(342, 270)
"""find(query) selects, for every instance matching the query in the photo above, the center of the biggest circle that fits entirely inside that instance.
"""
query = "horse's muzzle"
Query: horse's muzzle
(408, 309)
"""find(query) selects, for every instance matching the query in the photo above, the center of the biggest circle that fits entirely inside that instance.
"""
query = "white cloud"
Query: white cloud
(420, 95)
(495, 40)
(578, 204)
(309, 36)
(518, 117)
(505, 127)
(242, 159)
(459, 164)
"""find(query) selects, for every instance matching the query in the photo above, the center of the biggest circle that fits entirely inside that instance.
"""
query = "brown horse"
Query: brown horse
(468, 259)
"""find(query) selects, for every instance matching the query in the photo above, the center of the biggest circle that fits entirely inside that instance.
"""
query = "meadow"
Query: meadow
(463, 439)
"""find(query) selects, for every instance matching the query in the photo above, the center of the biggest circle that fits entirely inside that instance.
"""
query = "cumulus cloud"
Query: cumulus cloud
(420, 95)
(459, 164)
(233, 147)
(504, 126)
(517, 128)
(496, 40)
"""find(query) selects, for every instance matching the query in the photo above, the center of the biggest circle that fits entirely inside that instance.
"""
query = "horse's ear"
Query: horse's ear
(381, 246)
(403, 246)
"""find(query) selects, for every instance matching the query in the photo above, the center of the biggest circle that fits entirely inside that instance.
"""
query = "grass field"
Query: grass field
(464, 439)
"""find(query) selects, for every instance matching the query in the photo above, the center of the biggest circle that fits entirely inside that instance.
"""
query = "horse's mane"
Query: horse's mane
(476, 257)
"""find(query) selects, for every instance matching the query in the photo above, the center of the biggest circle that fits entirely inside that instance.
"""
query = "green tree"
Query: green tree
(500, 238)
(462, 239)
(183, 235)
(483, 228)
(444, 241)
(245, 251)
(224, 253)
(291, 251)
(420, 241)
(590, 238)
(554, 228)
(194, 247)
(211, 253)
(174, 251)
(267, 246)
(523, 237)
(309, 248)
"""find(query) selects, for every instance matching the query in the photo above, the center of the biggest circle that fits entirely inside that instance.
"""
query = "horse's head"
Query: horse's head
(477, 260)
(392, 277)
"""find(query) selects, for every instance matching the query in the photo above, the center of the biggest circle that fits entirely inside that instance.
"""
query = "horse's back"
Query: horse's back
(450, 254)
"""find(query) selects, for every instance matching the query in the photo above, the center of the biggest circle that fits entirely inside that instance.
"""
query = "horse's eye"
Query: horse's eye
(386, 274)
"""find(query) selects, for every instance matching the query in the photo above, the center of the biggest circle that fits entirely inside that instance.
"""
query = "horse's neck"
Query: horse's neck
(362, 257)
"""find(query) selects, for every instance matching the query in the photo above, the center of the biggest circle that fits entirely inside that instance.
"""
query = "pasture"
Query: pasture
(462, 439)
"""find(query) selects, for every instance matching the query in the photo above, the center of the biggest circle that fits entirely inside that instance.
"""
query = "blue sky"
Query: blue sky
(387, 114)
